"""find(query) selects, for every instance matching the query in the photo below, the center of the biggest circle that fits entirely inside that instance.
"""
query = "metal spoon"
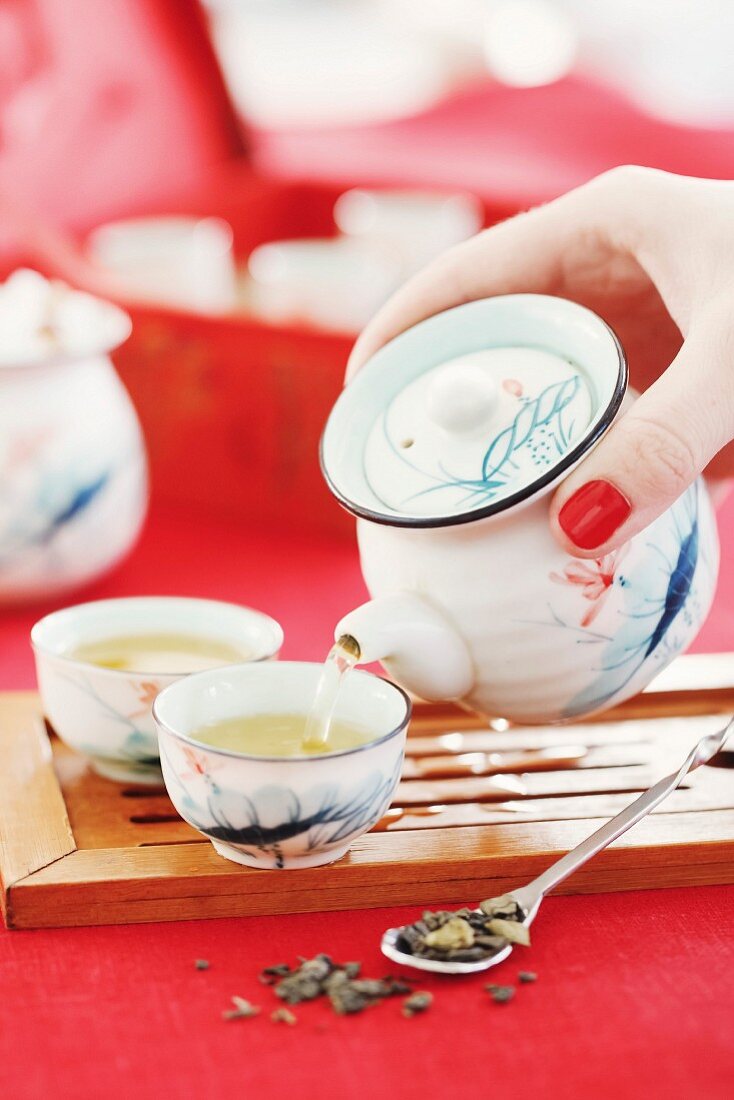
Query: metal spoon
(529, 897)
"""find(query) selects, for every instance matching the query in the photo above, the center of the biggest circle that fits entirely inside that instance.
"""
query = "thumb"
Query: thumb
(652, 454)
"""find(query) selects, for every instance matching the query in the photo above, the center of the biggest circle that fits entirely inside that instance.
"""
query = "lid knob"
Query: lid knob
(462, 398)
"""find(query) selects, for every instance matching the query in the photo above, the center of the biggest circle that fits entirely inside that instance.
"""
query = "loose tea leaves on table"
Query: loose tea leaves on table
(305, 983)
(321, 976)
(283, 1016)
(201, 964)
(242, 1010)
(466, 935)
(501, 994)
(526, 976)
(417, 1002)
(271, 974)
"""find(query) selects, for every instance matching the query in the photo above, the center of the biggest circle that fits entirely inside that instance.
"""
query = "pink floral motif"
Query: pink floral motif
(595, 577)
(25, 448)
(198, 764)
(511, 385)
(146, 692)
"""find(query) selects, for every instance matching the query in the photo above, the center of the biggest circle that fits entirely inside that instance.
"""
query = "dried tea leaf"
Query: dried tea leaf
(398, 986)
(417, 1002)
(242, 1009)
(501, 994)
(510, 929)
(306, 983)
(271, 974)
(345, 999)
(283, 1016)
(201, 964)
(527, 976)
(465, 954)
(372, 987)
(351, 969)
(504, 907)
(319, 967)
(453, 935)
(491, 944)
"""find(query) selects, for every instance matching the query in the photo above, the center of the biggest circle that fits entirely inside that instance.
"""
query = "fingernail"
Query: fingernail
(593, 514)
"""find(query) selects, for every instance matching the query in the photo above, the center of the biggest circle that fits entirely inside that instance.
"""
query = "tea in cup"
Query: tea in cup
(236, 768)
(100, 666)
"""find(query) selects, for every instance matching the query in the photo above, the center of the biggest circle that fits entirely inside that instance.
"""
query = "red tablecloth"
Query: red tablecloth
(635, 995)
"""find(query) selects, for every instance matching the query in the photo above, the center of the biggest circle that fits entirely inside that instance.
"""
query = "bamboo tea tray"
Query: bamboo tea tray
(478, 812)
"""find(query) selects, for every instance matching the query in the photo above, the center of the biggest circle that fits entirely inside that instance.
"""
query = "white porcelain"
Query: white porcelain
(280, 812)
(331, 283)
(186, 262)
(73, 478)
(416, 226)
(106, 713)
(473, 599)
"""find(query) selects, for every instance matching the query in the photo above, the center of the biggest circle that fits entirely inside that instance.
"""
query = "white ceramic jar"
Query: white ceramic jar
(447, 446)
(73, 480)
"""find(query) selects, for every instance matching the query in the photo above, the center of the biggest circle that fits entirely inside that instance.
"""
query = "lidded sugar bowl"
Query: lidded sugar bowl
(73, 472)
(447, 446)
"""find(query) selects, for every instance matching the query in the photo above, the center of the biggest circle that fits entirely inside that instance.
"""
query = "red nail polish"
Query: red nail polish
(593, 514)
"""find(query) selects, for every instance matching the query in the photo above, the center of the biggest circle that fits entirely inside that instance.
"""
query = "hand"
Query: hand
(653, 254)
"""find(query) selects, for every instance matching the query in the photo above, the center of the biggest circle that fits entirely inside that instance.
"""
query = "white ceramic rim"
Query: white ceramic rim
(205, 678)
(57, 618)
(123, 329)
(425, 332)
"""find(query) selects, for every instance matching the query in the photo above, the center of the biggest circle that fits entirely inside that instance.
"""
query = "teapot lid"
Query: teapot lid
(473, 411)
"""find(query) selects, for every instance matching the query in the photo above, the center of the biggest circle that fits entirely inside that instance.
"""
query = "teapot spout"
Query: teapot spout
(415, 642)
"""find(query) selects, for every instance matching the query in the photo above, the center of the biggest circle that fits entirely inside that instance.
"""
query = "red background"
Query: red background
(114, 107)
(635, 995)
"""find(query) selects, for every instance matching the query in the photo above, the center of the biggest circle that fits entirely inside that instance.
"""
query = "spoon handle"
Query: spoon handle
(530, 896)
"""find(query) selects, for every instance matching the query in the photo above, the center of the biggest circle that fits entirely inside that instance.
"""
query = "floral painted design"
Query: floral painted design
(543, 428)
(663, 589)
(139, 745)
(261, 823)
(146, 692)
(595, 578)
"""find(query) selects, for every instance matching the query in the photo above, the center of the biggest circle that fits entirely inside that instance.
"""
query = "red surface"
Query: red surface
(510, 145)
(635, 998)
(635, 995)
(105, 106)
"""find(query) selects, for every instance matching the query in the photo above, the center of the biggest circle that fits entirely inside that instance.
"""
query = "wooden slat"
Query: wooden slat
(34, 827)
(184, 881)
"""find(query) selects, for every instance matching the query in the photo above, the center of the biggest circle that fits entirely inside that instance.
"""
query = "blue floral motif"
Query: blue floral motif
(139, 746)
(49, 514)
(662, 604)
(538, 425)
(325, 816)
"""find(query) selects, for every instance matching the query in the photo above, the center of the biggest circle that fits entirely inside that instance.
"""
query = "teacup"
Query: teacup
(105, 713)
(280, 811)
(185, 262)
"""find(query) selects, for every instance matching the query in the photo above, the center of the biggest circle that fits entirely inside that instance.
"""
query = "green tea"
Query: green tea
(279, 735)
(159, 653)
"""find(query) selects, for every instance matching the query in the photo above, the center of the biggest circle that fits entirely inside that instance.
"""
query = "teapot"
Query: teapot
(446, 446)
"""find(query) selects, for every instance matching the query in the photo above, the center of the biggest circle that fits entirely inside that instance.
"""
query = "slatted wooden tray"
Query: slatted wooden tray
(478, 812)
